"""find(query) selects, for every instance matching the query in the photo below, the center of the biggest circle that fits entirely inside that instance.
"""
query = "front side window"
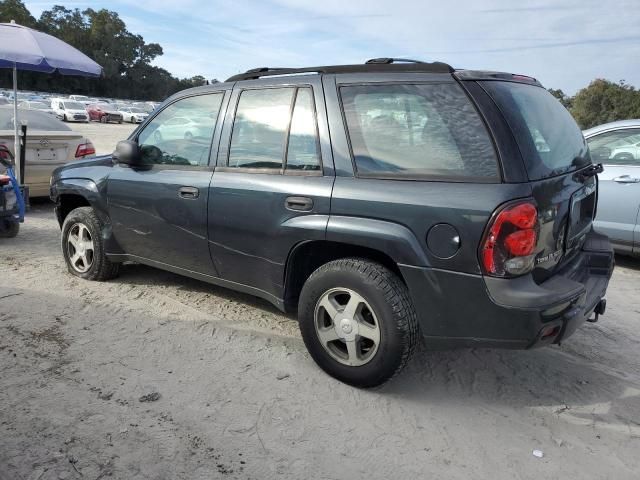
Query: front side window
(405, 130)
(620, 147)
(275, 129)
(182, 133)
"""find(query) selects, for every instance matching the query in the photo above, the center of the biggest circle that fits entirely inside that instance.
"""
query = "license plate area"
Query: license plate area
(581, 213)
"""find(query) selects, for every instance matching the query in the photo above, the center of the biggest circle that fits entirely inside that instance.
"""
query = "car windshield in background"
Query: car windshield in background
(36, 121)
(547, 135)
(74, 106)
(417, 131)
(136, 110)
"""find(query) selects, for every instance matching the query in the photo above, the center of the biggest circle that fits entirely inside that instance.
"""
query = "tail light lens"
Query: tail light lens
(85, 149)
(510, 240)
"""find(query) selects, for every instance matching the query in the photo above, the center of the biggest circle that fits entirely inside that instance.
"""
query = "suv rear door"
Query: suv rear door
(272, 185)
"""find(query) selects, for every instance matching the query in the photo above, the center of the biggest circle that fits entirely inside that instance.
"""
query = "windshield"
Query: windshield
(136, 110)
(35, 120)
(74, 106)
(547, 135)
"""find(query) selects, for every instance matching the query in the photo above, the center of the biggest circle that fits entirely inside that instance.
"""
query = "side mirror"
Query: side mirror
(127, 152)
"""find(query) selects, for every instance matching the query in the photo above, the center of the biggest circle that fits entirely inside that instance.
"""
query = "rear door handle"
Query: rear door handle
(189, 193)
(626, 179)
(299, 204)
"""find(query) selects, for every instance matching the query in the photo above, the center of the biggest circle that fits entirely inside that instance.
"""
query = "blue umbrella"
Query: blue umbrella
(23, 48)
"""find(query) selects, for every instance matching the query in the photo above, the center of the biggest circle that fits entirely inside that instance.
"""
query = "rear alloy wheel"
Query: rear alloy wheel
(83, 248)
(357, 321)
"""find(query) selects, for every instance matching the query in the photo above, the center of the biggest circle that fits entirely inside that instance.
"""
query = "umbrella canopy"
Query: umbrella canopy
(22, 48)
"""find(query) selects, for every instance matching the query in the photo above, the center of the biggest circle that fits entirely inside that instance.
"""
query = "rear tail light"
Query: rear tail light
(85, 149)
(510, 240)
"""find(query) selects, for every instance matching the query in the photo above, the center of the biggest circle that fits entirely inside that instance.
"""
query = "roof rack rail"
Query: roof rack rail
(379, 65)
(388, 61)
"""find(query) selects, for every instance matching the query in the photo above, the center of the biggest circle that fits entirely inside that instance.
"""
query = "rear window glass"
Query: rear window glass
(547, 135)
(35, 120)
(404, 130)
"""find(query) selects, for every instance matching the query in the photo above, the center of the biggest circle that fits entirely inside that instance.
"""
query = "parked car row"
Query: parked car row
(80, 108)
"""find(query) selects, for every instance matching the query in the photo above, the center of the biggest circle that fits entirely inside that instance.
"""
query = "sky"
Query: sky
(563, 43)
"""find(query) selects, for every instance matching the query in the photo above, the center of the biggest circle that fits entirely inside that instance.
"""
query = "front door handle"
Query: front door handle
(299, 204)
(626, 179)
(190, 193)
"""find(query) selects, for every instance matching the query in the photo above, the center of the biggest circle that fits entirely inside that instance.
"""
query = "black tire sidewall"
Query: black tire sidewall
(86, 216)
(392, 347)
(9, 228)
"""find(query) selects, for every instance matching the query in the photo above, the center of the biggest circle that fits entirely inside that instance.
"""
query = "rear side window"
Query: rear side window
(275, 129)
(416, 131)
(260, 128)
(547, 135)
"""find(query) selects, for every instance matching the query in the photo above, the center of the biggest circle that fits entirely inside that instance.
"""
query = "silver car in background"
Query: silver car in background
(617, 146)
(50, 144)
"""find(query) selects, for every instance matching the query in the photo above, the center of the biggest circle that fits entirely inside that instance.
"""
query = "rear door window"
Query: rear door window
(275, 130)
(417, 131)
(549, 139)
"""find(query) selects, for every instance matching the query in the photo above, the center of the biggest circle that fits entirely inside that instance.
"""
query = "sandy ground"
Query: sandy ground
(238, 396)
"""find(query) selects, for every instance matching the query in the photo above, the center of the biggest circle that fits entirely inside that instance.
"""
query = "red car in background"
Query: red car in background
(103, 112)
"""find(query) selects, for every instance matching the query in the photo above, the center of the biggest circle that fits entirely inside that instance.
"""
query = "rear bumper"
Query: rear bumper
(457, 309)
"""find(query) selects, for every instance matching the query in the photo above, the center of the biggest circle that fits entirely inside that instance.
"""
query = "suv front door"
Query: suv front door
(272, 186)
(159, 210)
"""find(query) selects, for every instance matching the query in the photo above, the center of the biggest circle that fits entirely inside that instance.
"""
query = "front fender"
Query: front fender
(393, 239)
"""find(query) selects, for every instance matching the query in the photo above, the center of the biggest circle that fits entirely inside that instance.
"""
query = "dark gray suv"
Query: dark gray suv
(385, 202)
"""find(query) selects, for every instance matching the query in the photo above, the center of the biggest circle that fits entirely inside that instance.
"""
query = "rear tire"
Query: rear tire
(374, 344)
(9, 229)
(83, 246)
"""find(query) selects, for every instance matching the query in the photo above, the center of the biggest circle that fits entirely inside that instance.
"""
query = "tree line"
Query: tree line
(103, 36)
(601, 102)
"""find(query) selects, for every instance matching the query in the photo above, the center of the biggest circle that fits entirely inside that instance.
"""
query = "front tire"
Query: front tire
(83, 247)
(9, 229)
(357, 321)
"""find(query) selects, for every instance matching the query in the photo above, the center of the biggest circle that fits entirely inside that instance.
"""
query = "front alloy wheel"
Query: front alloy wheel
(83, 247)
(80, 248)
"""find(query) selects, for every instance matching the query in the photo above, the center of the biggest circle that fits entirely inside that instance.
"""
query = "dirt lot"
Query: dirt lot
(154, 376)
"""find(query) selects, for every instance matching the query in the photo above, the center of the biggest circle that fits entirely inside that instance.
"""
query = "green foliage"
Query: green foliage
(103, 36)
(564, 99)
(604, 101)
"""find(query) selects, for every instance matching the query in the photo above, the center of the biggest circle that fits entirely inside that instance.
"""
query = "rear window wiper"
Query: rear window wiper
(590, 171)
